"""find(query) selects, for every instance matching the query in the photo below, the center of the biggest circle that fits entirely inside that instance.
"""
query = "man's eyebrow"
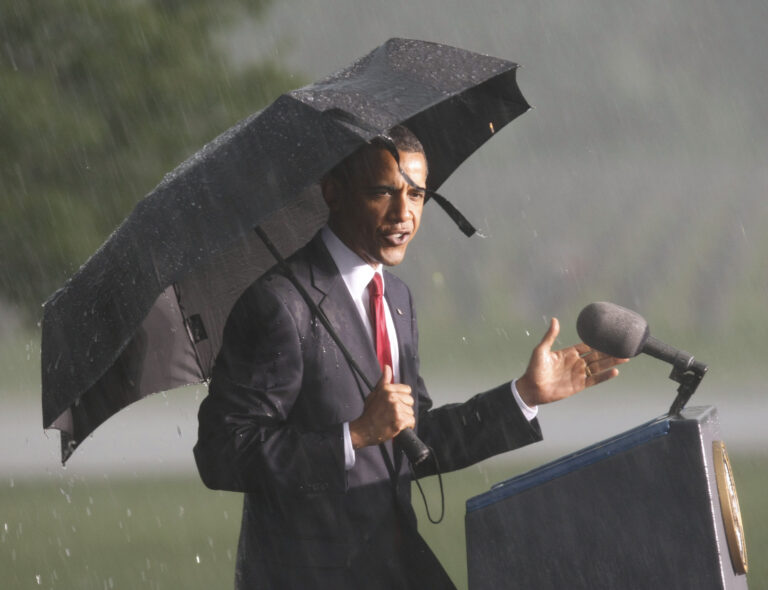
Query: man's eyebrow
(376, 187)
(390, 187)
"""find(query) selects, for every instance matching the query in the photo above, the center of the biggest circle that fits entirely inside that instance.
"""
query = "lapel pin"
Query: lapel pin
(399, 311)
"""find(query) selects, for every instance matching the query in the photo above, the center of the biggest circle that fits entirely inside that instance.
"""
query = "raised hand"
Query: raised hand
(556, 374)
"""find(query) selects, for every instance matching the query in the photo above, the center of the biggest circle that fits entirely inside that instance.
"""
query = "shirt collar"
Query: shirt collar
(355, 271)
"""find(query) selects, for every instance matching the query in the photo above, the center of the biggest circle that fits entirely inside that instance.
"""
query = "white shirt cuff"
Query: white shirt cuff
(529, 412)
(349, 450)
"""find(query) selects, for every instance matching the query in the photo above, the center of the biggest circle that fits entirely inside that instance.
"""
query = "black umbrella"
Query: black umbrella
(146, 312)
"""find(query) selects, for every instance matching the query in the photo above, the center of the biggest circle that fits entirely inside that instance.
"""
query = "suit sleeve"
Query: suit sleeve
(247, 440)
(463, 434)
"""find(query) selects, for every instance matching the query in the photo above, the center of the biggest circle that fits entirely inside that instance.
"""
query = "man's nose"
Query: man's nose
(399, 209)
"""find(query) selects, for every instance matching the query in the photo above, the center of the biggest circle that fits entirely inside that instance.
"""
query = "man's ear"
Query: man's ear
(332, 192)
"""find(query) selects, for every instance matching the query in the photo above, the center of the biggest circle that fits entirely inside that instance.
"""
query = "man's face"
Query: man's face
(378, 213)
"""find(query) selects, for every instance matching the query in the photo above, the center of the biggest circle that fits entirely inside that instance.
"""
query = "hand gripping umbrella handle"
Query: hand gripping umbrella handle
(412, 446)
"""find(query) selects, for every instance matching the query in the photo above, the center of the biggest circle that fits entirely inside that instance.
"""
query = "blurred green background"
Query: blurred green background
(145, 532)
(640, 178)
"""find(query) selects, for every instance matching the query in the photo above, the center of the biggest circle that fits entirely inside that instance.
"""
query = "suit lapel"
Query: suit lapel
(337, 304)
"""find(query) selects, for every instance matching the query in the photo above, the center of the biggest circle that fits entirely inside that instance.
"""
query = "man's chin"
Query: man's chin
(392, 256)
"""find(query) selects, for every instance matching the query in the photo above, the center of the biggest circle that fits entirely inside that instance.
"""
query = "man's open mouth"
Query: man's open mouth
(396, 238)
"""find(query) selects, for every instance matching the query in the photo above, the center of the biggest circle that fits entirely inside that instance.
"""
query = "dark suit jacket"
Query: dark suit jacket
(271, 427)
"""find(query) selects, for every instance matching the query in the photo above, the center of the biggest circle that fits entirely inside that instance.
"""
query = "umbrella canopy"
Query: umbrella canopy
(146, 312)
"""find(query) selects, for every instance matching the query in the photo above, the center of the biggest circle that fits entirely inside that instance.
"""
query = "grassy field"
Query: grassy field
(103, 533)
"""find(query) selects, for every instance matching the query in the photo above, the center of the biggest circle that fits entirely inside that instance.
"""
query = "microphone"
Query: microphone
(612, 329)
(623, 333)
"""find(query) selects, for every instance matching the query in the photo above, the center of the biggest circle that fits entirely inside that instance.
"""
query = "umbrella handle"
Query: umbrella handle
(413, 447)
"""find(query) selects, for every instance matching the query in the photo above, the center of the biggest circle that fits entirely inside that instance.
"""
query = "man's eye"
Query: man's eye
(416, 195)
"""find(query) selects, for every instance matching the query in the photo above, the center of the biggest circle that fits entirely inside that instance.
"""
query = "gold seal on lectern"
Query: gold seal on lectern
(729, 506)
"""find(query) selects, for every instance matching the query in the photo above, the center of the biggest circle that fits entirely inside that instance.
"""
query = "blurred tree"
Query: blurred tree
(97, 101)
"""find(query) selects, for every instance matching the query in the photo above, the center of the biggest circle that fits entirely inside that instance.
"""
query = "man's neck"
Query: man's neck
(345, 258)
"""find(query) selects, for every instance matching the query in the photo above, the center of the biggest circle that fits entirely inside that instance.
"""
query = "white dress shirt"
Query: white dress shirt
(356, 274)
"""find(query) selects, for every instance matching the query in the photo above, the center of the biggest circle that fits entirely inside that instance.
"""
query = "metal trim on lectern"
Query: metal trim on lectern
(640, 510)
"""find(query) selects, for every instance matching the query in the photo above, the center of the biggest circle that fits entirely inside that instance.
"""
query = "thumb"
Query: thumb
(386, 376)
(551, 335)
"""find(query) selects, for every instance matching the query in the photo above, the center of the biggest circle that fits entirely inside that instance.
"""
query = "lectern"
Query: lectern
(652, 508)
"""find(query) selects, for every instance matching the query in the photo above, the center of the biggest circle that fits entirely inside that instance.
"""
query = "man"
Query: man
(287, 421)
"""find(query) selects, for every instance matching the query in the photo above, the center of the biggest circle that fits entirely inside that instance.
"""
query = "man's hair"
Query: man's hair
(403, 138)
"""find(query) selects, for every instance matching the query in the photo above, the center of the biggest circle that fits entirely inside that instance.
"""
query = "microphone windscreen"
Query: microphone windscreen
(612, 329)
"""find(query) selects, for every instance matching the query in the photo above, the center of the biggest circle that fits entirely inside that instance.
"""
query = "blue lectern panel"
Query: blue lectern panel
(637, 511)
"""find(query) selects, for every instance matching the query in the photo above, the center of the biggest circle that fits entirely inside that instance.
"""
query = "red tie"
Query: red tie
(375, 291)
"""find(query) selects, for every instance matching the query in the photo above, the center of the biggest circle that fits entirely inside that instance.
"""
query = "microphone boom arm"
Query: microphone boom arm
(688, 373)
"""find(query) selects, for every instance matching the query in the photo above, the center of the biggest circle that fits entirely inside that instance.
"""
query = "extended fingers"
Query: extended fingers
(596, 378)
(599, 367)
(597, 362)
